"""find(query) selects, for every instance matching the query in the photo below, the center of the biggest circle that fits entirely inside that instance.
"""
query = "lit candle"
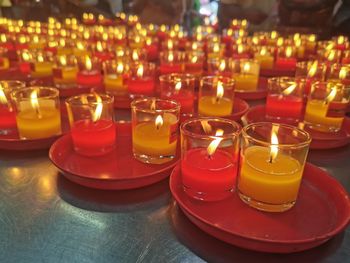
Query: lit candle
(209, 159)
(154, 130)
(239, 52)
(7, 113)
(92, 127)
(194, 63)
(151, 49)
(65, 70)
(270, 175)
(89, 73)
(221, 104)
(102, 53)
(115, 77)
(141, 81)
(247, 79)
(41, 66)
(286, 61)
(264, 58)
(38, 114)
(24, 62)
(171, 62)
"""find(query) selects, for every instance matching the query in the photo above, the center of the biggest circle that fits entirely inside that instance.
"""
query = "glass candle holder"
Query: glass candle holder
(65, 70)
(92, 125)
(221, 67)
(271, 165)
(346, 57)
(81, 49)
(7, 111)
(195, 46)
(154, 129)
(215, 50)
(286, 58)
(312, 71)
(41, 64)
(285, 99)
(265, 56)
(171, 62)
(339, 73)
(102, 51)
(240, 51)
(151, 47)
(90, 72)
(37, 112)
(170, 45)
(194, 63)
(216, 95)
(142, 79)
(209, 157)
(246, 75)
(179, 87)
(341, 42)
(116, 75)
(4, 61)
(329, 56)
(326, 106)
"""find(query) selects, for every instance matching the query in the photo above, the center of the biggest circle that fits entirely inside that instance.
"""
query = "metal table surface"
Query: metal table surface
(46, 218)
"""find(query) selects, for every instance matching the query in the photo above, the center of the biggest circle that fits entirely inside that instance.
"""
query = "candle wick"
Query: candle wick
(38, 113)
(270, 159)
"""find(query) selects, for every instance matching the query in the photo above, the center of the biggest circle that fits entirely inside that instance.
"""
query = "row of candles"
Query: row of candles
(210, 146)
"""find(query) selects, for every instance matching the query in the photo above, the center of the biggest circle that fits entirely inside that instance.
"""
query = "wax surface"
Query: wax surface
(204, 174)
(93, 138)
(273, 183)
(30, 126)
(265, 61)
(284, 106)
(209, 106)
(149, 140)
(246, 82)
(316, 115)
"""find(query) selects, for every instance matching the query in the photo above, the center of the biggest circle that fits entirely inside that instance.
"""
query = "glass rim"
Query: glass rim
(226, 80)
(55, 92)
(135, 103)
(310, 62)
(234, 124)
(22, 84)
(304, 143)
(182, 76)
(77, 101)
(335, 83)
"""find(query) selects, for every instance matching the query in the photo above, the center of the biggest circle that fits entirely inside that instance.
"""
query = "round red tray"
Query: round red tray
(115, 171)
(122, 102)
(277, 72)
(322, 211)
(320, 140)
(260, 93)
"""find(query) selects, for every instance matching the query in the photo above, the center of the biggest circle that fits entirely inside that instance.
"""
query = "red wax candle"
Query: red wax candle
(25, 67)
(7, 118)
(89, 78)
(341, 47)
(142, 86)
(346, 60)
(93, 138)
(288, 107)
(103, 56)
(214, 174)
(170, 68)
(286, 63)
(185, 98)
(194, 68)
(152, 52)
(345, 82)
(240, 56)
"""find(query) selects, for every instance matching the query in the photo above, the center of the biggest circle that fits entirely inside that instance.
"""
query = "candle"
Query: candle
(209, 158)
(115, 77)
(38, 114)
(102, 53)
(141, 81)
(248, 77)
(24, 64)
(312, 71)
(194, 63)
(65, 71)
(264, 58)
(179, 87)
(4, 63)
(154, 130)
(152, 49)
(92, 127)
(171, 62)
(240, 52)
(89, 73)
(218, 105)
(270, 176)
(41, 66)
(286, 61)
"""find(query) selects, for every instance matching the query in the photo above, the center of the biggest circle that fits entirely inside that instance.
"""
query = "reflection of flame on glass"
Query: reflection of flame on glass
(215, 143)
(222, 65)
(331, 95)
(343, 72)
(159, 122)
(206, 126)
(178, 86)
(162, 28)
(219, 91)
(313, 69)
(35, 102)
(171, 57)
(194, 59)
(290, 89)
(46, 187)
(234, 22)
(120, 68)
(274, 144)
(3, 99)
(88, 63)
(139, 72)
(246, 67)
(98, 110)
(289, 52)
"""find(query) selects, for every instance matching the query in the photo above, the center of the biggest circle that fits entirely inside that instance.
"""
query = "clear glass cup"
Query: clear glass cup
(272, 162)
(194, 63)
(37, 112)
(326, 106)
(216, 96)
(314, 70)
(246, 75)
(154, 129)
(209, 157)
(171, 62)
(116, 74)
(339, 73)
(221, 66)
(41, 64)
(65, 71)
(141, 80)
(92, 125)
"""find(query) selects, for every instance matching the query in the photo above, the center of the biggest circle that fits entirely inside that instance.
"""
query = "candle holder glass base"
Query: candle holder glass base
(153, 159)
(265, 206)
(323, 127)
(207, 196)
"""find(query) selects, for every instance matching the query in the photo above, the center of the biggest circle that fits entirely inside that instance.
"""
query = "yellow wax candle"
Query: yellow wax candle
(4, 63)
(246, 82)
(212, 106)
(36, 45)
(68, 75)
(114, 83)
(64, 51)
(275, 182)
(316, 114)
(41, 69)
(149, 139)
(81, 52)
(265, 61)
(32, 125)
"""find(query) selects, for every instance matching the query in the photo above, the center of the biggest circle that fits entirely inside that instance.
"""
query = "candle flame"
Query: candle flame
(234, 22)
(148, 41)
(88, 63)
(219, 91)
(244, 22)
(162, 28)
(63, 60)
(241, 32)
(341, 40)
(280, 41)
(246, 67)
(135, 55)
(313, 69)
(40, 58)
(171, 57)
(35, 102)
(290, 89)
(99, 108)
(139, 72)
(80, 46)
(331, 95)
(99, 46)
(194, 59)
(273, 35)
(178, 86)
(240, 49)
(312, 38)
(120, 67)
(289, 52)
(159, 122)
(170, 44)
(25, 55)
(274, 144)
(3, 38)
(3, 99)
(206, 126)
(342, 73)
(216, 48)
(230, 32)
(330, 46)
(222, 65)
(263, 51)
(215, 143)
(298, 42)
(331, 55)
(194, 46)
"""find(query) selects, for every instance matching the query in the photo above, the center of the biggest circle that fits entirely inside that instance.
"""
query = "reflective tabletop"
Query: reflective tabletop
(46, 218)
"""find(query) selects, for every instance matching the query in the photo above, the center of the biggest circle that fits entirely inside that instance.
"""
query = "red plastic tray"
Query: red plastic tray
(277, 72)
(320, 140)
(322, 211)
(115, 171)
(260, 93)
